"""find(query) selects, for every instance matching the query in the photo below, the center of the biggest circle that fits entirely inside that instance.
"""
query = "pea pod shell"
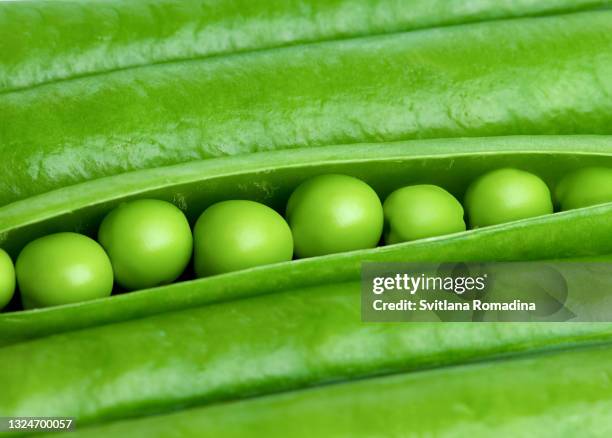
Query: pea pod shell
(561, 394)
(270, 177)
(45, 42)
(520, 76)
(277, 342)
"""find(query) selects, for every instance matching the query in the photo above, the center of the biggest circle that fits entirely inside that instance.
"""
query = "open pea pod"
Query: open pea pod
(561, 394)
(44, 41)
(456, 81)
(270, 178)
(271, 343)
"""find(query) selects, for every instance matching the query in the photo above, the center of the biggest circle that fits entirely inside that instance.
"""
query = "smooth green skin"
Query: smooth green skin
(63, 268)
(80, 38)
(148, 241)
(334, 213)
(506, 195)
(248, 348)
(270, 177)
(234, 235)
(417, 212)
(580, 233)
(563, 394)
(7, 278)
(456, 81)
(585, 187)
(268, 338)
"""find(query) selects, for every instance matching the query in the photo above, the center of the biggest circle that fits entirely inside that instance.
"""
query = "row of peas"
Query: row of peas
(148, 242)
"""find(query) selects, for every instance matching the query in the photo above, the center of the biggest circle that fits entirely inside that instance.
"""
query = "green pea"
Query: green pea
(7, 279)
(334, 213)
(417, 212)
(149, 242)
(63, 268)
(239, 234)
(506, 195)
(585, 187)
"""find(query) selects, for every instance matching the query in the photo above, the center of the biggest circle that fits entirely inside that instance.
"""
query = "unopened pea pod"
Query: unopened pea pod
(276, 342)
(456, 81)
(271, 177)
(46, 42)
(566, 393)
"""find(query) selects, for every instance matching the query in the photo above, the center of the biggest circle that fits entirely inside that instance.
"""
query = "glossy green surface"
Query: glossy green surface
(562, 394)
(334, 213)
(91, 90)
(271, 177)
(48, 41)
(585, 187)
(506, 195)
(148, 241)
(458, 81)
(7, 278)
(421, 211)
(277, 342)
(239, 234)
(212, 345)
(63, 268)
(579, 233)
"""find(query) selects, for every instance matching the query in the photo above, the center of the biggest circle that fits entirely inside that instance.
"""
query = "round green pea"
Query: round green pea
(420, 211)
(7, 279)
(585, 187)
(506, 195)
(334, 213)
(63, 268)
(239, 234)
(149, 242)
